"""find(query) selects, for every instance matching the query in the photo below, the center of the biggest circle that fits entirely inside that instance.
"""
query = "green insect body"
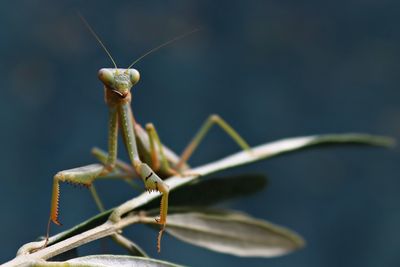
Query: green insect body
(149, 158)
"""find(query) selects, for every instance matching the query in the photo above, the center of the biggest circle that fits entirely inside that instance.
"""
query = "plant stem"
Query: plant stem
(116, 222)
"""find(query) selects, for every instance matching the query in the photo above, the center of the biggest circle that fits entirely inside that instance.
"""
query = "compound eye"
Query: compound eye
(134, 76)
(106, 76)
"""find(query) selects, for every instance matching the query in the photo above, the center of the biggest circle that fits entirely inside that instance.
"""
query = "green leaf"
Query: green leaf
(233, 233)
(258, 153)
(264, 151)
(294, 144)
(218, 190)
(117, 260)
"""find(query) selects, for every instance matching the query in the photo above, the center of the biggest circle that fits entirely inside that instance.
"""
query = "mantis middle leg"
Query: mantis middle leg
(159, 159)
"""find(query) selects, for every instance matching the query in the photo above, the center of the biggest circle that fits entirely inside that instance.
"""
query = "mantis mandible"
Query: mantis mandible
(150, 159)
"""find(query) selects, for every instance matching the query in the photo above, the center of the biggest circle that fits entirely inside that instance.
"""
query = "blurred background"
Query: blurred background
(273, 69)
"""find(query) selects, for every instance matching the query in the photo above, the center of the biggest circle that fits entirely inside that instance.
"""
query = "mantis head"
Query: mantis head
(119, 81)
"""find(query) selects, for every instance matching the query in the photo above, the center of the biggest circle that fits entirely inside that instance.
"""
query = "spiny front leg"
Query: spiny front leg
(151, 180)
(154, 183)
(112, 140)
(79, 176)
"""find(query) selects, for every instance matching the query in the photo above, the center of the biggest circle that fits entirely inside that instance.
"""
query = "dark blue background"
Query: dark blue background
(273, 69)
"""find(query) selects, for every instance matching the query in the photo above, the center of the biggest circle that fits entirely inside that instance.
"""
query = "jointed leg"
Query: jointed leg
(102, 156)
(82, 176)
(213, 119)
(154, 140)
(154, 183)
(96, 198)
(112, 140)
(87, 174)
(123, 170)
(151, 132)
(151, 180)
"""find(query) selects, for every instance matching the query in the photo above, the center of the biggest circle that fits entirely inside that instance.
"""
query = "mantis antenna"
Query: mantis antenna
(97, 38)
(164, 44)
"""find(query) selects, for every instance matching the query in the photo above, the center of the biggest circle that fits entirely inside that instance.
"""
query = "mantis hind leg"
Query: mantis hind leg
(204, 129)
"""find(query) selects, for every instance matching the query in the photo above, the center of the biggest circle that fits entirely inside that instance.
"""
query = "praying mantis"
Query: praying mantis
(150, 159)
